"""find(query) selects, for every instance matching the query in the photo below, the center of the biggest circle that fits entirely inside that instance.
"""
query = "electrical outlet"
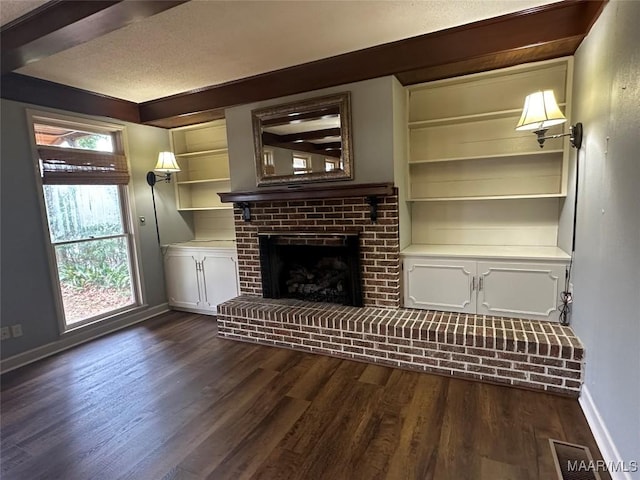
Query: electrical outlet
(5, 333)
(16, 330)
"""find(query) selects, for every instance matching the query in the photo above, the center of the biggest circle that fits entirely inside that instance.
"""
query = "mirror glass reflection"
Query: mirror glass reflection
(303, 142)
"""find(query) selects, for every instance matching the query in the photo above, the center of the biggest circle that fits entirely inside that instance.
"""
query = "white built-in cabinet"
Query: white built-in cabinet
(200, 278)
(523, 286)
(202, 273)
(485, 199)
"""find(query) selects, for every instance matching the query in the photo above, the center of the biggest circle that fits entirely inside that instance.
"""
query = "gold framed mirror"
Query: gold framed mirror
(306, 141)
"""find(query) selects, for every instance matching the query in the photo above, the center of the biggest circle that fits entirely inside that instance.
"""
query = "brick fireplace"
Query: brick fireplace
(379, 240)
(527, 354)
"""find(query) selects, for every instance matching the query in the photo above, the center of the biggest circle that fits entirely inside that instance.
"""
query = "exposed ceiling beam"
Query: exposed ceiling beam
(312, 135)
(545, 32)
(62, 24)
(509, 58)
(333, 149)
(469, 48)
(22, 88)
(189, 119)
(301, 117)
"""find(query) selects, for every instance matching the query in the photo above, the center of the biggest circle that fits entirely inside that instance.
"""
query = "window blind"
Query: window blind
(62, 166)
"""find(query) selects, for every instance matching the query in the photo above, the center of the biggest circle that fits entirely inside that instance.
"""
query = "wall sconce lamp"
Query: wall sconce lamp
(540, 112)
(167, 165)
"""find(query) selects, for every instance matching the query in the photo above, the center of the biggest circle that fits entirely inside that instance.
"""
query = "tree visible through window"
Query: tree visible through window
(84, 177)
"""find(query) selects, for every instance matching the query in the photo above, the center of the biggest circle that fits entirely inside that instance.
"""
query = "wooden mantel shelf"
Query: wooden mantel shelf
(309, 192)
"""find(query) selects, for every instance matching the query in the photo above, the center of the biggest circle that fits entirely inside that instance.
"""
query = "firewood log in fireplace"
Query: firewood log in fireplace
(326, 279)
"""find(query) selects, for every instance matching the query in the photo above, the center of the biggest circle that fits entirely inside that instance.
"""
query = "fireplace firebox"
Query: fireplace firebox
(312, 266)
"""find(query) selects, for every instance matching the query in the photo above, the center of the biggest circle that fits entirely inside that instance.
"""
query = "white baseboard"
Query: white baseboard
(601, 434)
(75, 338)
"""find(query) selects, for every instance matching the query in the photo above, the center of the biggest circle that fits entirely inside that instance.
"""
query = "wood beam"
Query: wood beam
(540, 33)
(273, 140)
(188, 119)
(301, 117)
(312, 135)
(468, 47)
(547, 51)
(22, 88)
(60, 25)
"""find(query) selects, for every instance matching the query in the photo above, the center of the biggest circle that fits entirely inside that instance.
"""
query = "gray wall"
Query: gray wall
(606, 312)
(26, 293)
(371, 121)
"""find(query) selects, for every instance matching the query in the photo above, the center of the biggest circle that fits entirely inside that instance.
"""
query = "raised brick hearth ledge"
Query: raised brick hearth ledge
(522, 353)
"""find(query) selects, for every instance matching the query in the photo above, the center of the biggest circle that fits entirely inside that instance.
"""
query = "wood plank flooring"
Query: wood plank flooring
(168, 399)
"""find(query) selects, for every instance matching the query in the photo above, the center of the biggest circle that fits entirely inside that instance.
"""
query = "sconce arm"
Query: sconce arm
(153, 177)
(575, 134)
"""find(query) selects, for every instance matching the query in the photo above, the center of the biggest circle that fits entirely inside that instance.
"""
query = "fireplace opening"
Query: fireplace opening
(318, 267)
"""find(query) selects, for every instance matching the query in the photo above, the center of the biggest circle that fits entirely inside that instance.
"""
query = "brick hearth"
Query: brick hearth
(522, 353)
(528, 354)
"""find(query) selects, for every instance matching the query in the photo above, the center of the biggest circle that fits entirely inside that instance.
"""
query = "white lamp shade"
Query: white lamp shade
(167, 163)
(540, 112)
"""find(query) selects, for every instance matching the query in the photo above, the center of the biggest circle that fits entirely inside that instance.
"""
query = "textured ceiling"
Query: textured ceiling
(12, 9)
(206, 42)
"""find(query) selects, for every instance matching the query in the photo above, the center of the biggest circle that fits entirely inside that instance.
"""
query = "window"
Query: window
(84, 176)
(301, 164)
(268, 166)
(331, 164)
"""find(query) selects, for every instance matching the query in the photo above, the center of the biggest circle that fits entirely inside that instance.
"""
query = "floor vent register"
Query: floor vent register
(573, 462)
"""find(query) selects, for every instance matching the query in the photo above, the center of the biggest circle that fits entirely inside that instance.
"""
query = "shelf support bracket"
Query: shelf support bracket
(372, 200)
(246, 210)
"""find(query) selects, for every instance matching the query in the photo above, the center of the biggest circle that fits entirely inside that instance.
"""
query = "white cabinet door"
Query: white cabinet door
(522, 290)
(220, 280)
(181, 273)
(492, 287)
(446, 284)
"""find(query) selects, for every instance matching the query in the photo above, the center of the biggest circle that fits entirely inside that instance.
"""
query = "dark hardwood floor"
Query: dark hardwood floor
(168, 399)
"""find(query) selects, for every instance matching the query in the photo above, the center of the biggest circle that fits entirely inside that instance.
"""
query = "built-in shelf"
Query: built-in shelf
(206, 243)
(208, 180)
(511, 252)
(471, 178)
(202, 152)
(485, 157)
(310, 193)
(436, 122)
(224, 207)
(487, 197)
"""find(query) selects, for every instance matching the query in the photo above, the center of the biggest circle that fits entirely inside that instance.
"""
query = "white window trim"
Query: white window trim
(127, 207)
